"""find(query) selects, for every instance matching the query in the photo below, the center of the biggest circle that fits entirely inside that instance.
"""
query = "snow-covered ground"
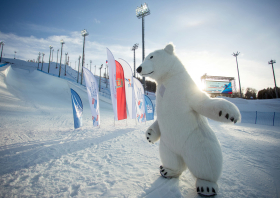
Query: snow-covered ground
(41, 155)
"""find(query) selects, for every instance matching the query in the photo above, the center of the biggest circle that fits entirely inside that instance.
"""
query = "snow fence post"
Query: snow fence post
(256, 117)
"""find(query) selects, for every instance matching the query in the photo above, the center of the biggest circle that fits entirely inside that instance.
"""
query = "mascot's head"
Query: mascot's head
(159, 63)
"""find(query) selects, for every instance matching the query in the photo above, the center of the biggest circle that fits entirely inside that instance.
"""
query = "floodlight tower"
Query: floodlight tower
(65, 63)
(62, 42)
(52, 55)
(42, 61)
(84, 34)
(39, 60)
(78, 69)
(2, 45)
(15, 54)
(90, 65)
(271, 62)
(141, 12)
(236, 54)
(57, 59)
(100, 77)
(50, 58)
(134, 47)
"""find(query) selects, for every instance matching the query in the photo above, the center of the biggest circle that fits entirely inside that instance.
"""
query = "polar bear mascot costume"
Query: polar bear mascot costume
(186, 139)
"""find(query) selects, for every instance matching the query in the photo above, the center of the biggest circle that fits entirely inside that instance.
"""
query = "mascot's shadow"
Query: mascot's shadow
(169, 188)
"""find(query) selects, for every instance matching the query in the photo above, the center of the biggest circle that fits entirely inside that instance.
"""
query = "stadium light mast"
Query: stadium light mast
(52, 55)
(42, 61)
(84, 34)
(39, 59)
(65, 63)
(78, 69)
(135, 47)
(271, 62)
(62, 42)
(90, 65)
(236, 54)
(100, 77)
(50, 58)
(141, 12)
(57, 59)
(15, 54)
(2, 45)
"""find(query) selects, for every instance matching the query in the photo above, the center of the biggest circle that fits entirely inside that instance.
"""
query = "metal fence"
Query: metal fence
(262, 118)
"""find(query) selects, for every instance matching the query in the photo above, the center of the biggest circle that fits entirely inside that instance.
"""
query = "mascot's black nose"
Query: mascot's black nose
(139, 69)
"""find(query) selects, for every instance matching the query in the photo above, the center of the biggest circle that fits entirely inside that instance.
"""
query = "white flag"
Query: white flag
(112, 80)
(140, 101)
(129, 88)
(93, 96)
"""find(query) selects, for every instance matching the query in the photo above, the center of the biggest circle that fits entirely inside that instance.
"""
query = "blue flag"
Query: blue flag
(77, 106)
(149, 108)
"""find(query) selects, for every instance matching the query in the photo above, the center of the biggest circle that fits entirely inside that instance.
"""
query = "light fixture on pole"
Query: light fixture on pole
(62, 42)
(65, 62)
(57, 59)
(15, 55)
(84, 34)
(90, 65)
(141, 12)
(52, 55)
(271, 62)
(39, 59)
(135, 47)
(50, 58)
(42, 61)
(78, 69)
(2, 45)
(100, 77)
(236, 54)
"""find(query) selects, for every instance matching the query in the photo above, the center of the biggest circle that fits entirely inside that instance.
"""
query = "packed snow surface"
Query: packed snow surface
(43, 156)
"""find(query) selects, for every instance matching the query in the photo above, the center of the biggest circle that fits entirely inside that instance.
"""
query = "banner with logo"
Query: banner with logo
(112, 81)
(149, 107)
(93, 96)
(140, 101)
(77, 106)
(121, 100)
(129, 90)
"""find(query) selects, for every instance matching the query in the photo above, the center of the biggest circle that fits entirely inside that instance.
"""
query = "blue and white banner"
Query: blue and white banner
(77, 106)
(140, 101)
(149, 107)
(93, 96)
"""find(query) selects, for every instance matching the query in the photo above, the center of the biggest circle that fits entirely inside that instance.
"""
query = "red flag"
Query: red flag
(121, 101)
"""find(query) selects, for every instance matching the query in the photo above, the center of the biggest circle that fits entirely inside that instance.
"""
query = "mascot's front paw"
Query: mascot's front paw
(206, 188)
(151, 136)
(227, 112)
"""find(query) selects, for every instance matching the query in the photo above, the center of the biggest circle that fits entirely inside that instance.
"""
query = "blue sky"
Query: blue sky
(205, 33)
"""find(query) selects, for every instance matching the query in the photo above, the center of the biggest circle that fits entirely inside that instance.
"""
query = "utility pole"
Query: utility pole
(78, 69)
(271, 62)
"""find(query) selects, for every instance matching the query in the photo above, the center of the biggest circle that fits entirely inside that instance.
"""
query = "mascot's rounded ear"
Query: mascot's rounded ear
(169, 48)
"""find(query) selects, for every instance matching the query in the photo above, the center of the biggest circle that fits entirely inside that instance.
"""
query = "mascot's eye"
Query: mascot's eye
(151, 57)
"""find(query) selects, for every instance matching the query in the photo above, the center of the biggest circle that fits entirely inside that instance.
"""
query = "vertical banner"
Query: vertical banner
(149, 108)
(93, 97)
(121, 100)
(77, 106)
(112, 80)
(140, 101)
(129, 88)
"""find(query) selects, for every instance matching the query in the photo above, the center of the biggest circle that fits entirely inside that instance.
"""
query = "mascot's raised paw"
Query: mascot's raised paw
(151, 136)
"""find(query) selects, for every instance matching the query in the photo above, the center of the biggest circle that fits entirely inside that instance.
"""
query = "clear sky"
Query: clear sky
(205, 33)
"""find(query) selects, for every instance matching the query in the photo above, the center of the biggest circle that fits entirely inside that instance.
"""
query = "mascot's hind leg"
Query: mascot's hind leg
(172, 164)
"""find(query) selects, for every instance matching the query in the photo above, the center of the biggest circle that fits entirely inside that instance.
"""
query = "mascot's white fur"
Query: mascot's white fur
(186, 139)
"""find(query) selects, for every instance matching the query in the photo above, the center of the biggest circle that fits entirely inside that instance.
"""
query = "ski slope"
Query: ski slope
(43, 156)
